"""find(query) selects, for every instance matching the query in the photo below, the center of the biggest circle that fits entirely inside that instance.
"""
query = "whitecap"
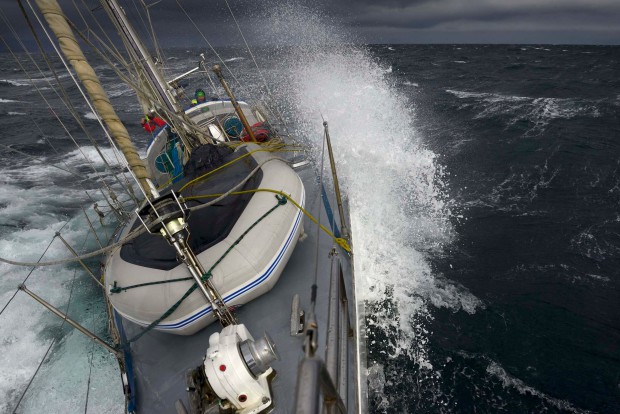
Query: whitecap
(234, 59)
(538, 111)
(92, 116)
(13, 82)
(27, 329)
(508, 381)
(88, 154)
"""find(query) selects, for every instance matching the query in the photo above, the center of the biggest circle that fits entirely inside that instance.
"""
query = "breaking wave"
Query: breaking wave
(537, 111)
(12, 82)
(91, 116)
(508, 381)
(400, 214)
(36, 200)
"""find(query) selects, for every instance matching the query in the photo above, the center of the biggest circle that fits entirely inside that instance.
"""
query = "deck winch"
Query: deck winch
(236, 374)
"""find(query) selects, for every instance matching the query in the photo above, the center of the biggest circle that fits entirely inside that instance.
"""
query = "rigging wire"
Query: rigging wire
(90, 371)
(49, 348)
(84, 95)
(278, 114)
(158, 49)
(144, 25)
(88, 161)
(209, 44)
(91, 354)
(67, 102)
(65, 99)
(109, 44)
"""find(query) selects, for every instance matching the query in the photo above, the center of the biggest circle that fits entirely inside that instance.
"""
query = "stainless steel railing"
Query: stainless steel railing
(327, 379)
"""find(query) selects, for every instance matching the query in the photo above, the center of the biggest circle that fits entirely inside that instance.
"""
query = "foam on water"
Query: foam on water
(508, 381)
(395, 186)
(91, 116)
(88, 153)
(35, 201)
(12, 82)
(26, 327)
(539, 111)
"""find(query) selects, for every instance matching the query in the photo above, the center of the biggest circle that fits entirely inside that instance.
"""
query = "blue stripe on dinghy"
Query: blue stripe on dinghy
(244, 289)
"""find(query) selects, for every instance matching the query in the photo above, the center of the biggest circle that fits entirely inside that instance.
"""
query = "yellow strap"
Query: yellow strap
(202, 177)
(269, 147)
(339, 240)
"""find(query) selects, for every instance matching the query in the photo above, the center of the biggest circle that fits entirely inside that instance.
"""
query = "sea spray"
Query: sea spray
(395, 186)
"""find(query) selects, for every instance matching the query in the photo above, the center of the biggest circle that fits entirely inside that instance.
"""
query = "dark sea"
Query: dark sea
(530, 137)
(484, 185)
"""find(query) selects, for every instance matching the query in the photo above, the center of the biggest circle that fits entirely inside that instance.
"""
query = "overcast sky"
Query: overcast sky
(390, 21)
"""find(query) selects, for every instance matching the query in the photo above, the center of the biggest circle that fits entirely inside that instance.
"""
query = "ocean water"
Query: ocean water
(528, 136)
(484, 187)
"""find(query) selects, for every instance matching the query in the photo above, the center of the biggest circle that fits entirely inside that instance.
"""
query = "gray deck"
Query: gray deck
(162, 360)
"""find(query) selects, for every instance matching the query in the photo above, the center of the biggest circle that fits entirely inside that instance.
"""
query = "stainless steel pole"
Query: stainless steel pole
(70, 321)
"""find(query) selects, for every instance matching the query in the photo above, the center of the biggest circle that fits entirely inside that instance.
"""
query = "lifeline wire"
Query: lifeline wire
(33, 268)
(53, 340)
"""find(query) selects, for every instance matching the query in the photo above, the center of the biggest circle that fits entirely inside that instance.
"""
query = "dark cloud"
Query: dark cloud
(378, 21)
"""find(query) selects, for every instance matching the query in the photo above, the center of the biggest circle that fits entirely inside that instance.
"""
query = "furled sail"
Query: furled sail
(58, 23)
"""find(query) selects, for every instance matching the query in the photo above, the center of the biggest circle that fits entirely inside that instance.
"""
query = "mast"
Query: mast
(73, 53)
(159, 84)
